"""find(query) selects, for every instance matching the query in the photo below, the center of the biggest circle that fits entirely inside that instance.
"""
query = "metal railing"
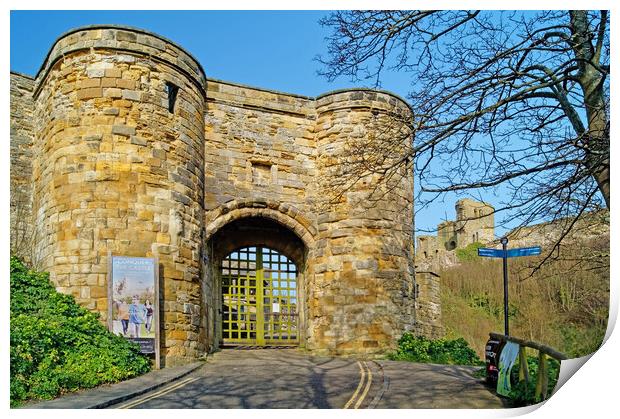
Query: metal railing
(542, 382)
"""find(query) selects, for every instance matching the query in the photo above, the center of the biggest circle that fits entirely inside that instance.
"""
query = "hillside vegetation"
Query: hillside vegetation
(564, 304)
(58, 346)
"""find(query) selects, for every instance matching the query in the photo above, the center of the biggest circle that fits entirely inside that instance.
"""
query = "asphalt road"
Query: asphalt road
(291, 379)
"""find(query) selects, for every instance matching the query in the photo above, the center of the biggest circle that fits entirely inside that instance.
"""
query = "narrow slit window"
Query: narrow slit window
(172, 91)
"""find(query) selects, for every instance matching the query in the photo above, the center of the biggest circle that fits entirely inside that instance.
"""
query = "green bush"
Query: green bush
(469, 253)
(491, 307)
(58, 346)
(524, 395)
(440, 351)
(582, 339)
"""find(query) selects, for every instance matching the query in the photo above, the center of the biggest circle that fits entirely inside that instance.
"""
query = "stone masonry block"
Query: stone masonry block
(112, 92)
(138, 141)
(126, 84)
(84, 84)
(123, 130)
(108, 82)
(89, 93)
(96, 72)
(126, 36)
(132, 95)
(113, 72)
(111, 111)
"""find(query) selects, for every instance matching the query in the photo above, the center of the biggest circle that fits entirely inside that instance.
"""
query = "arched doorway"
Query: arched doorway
(259, 298)
(255, 286)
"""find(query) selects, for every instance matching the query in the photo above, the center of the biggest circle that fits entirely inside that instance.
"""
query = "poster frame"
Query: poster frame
(156, 308)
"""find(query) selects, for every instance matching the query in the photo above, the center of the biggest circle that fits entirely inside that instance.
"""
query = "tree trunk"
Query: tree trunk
(591, 78)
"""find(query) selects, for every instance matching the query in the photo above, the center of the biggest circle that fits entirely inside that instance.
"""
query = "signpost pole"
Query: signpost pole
(505, 254)
(504, 242)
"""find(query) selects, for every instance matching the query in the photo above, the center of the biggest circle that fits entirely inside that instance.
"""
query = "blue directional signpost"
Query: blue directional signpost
(505, 253)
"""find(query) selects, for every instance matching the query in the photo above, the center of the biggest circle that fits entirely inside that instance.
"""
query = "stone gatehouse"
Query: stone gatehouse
(121, 145)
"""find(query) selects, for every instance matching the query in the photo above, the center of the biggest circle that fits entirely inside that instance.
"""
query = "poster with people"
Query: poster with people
(133, 300)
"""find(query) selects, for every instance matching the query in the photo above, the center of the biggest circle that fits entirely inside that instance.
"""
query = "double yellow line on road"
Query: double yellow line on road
(159, 393)
(356, 400)
(365, 381)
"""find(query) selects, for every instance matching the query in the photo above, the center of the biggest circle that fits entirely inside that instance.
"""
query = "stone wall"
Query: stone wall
(428, 304)
(426, 246)
(447, 236)
(590, 226)
(119, 168)
(22, 108)
(259, 161)
(259, 145)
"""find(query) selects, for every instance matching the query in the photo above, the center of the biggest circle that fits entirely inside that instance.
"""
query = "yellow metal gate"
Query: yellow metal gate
(259, 298)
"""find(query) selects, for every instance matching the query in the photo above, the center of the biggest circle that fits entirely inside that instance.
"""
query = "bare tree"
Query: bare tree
(514, 103)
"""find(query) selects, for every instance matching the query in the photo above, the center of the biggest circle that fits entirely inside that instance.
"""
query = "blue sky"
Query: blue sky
(256, 48)
(268, 49)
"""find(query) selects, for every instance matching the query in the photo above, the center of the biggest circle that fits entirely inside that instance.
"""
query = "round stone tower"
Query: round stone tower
(118, 168)
(363, 295)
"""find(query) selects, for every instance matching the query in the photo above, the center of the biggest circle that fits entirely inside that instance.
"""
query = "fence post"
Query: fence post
(542, 381)
(524, 374)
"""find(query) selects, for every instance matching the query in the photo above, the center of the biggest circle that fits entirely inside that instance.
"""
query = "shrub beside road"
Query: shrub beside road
(439, 351)
(58, 346)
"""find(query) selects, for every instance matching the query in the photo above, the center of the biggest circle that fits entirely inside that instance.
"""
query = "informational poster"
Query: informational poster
(507, 360)
(133, 298)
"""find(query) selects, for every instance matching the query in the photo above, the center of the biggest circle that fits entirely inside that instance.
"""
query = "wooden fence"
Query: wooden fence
(542, 382)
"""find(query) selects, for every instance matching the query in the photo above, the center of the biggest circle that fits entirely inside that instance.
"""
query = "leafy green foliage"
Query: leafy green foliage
(469, 253)
(524, 395)
(579, 340)
(58, 346)
(490, 306)
(440, 351)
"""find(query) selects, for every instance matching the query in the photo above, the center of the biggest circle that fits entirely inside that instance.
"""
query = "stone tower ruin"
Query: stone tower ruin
(474, 224)
(121, 145)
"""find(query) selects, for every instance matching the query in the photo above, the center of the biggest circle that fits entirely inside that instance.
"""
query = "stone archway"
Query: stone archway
(253, 225)
(285, 214)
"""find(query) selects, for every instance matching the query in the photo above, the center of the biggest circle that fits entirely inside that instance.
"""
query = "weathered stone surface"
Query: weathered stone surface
(113, 170)
(22, 108)
(89, 93)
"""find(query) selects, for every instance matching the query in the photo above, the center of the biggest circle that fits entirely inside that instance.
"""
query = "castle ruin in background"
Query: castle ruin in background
(474, 224)
(120, 144)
